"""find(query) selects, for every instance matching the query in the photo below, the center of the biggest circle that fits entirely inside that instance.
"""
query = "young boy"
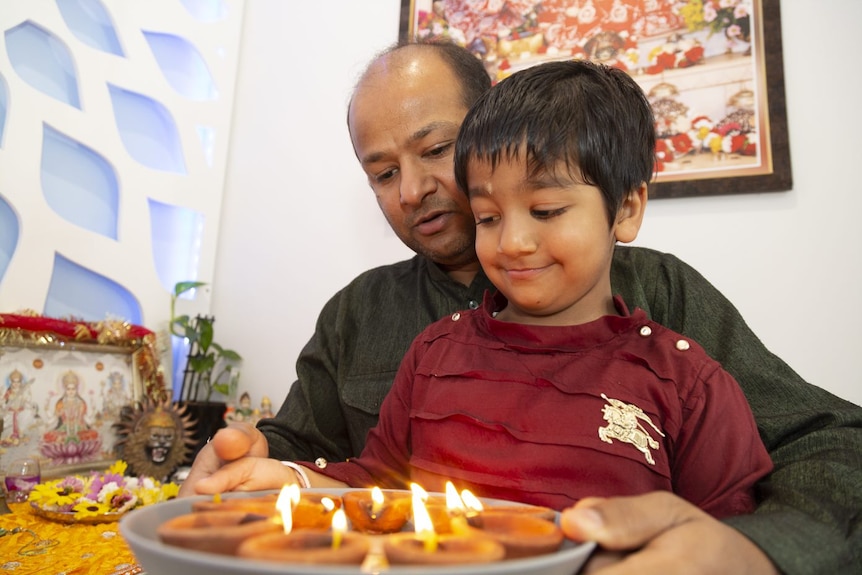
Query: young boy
(552, 390)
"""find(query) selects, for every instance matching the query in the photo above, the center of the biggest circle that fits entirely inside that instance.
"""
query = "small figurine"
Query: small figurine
(266, 407)
(244, 411)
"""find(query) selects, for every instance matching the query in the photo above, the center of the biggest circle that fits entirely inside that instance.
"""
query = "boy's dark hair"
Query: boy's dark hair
(593, 119)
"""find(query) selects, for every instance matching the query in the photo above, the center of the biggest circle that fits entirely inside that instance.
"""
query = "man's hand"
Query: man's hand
(232, 443)
(660, 534)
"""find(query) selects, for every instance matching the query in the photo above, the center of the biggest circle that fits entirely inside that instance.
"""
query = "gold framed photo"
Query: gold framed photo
(712, 70)
(64, 385)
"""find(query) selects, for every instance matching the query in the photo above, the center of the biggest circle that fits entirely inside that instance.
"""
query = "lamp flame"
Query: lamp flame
(287, 500)
(474, 506)
(339, 526)
(376, 501)
(454, 503)
(422, 520)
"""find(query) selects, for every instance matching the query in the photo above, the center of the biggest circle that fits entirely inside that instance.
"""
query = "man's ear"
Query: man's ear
(631, 215)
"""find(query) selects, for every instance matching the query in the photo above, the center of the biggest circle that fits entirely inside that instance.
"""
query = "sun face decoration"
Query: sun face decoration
(154, 438)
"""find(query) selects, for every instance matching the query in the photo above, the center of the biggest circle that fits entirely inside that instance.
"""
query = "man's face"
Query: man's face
(403, 121)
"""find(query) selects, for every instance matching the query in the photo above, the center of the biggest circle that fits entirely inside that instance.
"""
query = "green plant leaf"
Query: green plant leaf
(230, 355)
(226, 354)
(222, 388)
(180, 326)
(202, 363)
(182, 287)
(205, 329)
(190, 333)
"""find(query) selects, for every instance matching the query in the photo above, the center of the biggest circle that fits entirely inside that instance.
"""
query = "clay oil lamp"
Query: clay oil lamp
(377, 511)
(314, 510)
(336, 546)
(475, 506)
(522, 534)
(215, 531)
(261, 505)
(426, 547)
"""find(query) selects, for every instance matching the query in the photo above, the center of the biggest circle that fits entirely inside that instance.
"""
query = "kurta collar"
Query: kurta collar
(581, 336)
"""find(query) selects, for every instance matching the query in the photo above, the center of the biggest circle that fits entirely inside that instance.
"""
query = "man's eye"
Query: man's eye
(383, 177)
(439, 150)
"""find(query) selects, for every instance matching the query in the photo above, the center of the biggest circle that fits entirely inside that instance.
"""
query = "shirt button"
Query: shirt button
(456, 316)
(473, 304)
(682, 345)
(646, 331)
(321, 462)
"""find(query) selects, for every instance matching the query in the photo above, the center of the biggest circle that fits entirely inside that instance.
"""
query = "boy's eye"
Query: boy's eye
(547, 214)
(480, 220)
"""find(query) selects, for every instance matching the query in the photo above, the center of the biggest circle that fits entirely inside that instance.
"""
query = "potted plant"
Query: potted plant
(210, 369)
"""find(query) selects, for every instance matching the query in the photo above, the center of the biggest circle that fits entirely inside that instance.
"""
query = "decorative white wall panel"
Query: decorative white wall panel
(114, 130)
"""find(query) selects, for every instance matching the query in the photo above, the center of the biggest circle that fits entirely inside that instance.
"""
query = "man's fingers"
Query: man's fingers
(205, 463)
(239, 440)
(246, 474)
(626, 523)
(231, 443)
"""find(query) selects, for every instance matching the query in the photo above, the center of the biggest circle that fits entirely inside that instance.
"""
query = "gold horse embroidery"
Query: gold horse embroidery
(624, 425)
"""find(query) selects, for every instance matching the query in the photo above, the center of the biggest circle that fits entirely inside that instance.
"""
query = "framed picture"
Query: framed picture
(64, 385)
(712, 70)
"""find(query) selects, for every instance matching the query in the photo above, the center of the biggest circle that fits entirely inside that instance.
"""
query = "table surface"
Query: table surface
(32, 545)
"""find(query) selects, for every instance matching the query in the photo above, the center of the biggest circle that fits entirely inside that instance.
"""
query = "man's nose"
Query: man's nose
(416, 183)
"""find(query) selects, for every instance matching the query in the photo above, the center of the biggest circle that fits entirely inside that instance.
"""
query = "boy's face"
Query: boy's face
(544, 242)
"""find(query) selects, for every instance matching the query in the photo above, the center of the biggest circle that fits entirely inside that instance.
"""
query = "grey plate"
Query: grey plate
(138, 528)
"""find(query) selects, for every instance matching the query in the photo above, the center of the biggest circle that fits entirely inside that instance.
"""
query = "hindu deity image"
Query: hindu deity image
(114, 396)
(18, 409)
(70, 438)
(154, 438)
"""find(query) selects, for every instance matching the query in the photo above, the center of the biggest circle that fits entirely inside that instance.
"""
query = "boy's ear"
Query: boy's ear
(631, 215)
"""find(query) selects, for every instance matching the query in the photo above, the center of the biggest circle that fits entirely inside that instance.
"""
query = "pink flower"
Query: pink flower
(728, 128)
(709, 12)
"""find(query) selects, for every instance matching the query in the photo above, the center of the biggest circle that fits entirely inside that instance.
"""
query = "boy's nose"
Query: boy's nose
(516, 239)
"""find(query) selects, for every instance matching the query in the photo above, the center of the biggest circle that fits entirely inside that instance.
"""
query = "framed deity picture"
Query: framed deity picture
(712, 70)
(64, 386)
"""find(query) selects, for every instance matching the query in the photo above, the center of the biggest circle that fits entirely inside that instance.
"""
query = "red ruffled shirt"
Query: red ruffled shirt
(549, 415)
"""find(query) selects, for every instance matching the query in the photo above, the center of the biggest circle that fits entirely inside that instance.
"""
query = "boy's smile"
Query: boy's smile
(544, 241)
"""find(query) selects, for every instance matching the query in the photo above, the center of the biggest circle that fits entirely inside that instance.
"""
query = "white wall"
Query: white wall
(299, 221)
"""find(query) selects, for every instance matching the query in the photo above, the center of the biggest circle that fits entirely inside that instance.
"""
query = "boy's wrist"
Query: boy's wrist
(301, 475)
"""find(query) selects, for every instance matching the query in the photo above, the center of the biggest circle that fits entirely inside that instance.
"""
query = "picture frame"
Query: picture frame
(713, 72)
(64, 386)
